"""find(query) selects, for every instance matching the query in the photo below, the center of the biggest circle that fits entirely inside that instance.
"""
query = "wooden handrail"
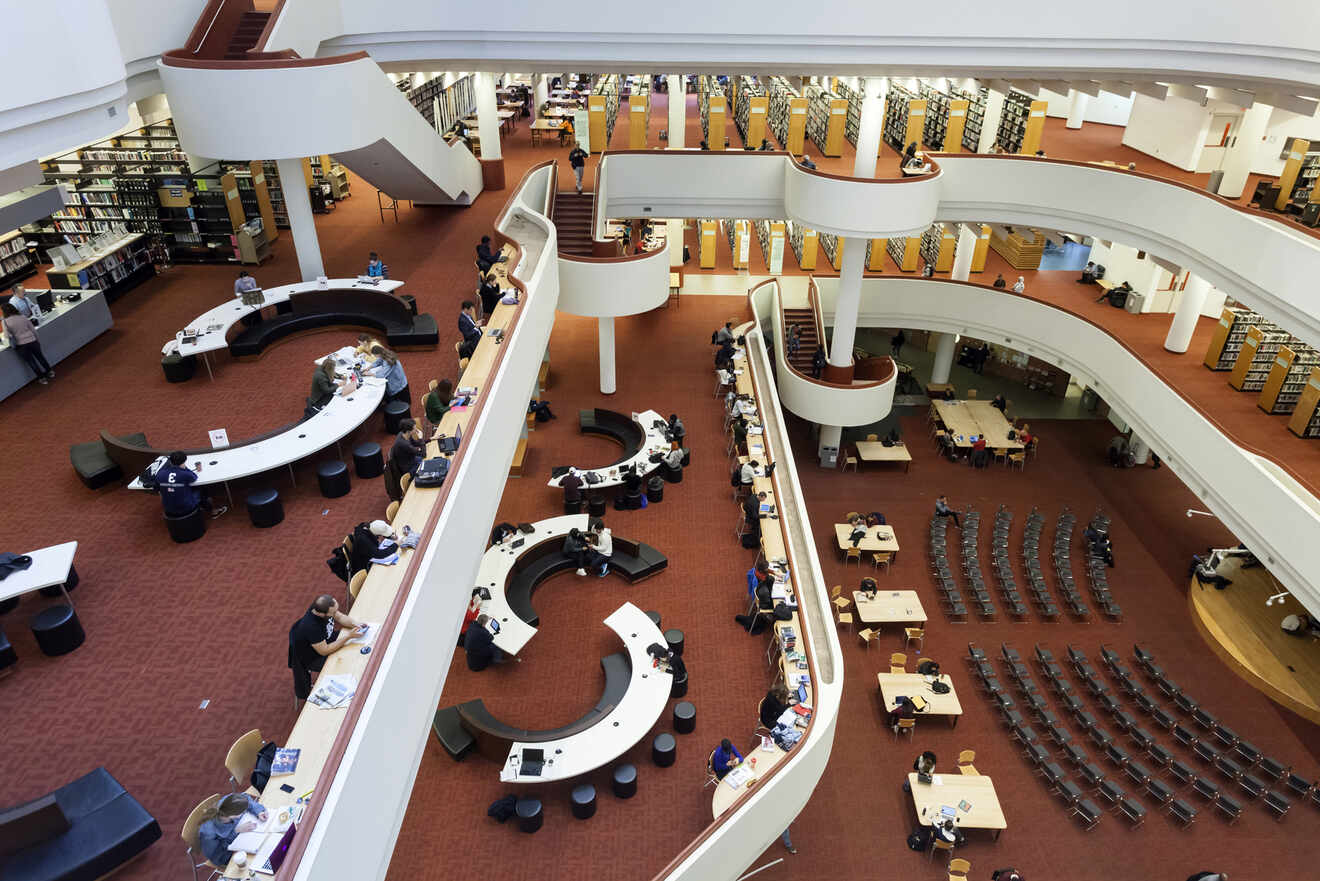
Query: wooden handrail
(783, 344)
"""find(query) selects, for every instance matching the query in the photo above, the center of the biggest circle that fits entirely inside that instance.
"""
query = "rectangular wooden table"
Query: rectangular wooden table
(950, 789)
(896, 685)
(878, 538)
(968, 419)
(540, 128)
(890, 607)
(874, 451)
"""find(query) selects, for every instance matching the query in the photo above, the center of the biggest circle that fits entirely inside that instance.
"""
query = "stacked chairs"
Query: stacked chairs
(1063, 531)
(971, 564)
(1097, 573)
(951, 599)
(1003, 567)
(1040, 594)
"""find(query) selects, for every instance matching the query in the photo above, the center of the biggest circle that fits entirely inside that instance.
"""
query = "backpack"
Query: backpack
(432, 472)
(502, 808)
(714, 337)
(735, 477)
(148, 475)
(918, 840)
(338, 563)
(751, 540)
(265, 758)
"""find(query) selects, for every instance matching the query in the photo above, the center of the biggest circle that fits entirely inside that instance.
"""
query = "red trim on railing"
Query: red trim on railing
(346, 729)
(256, 60)
(270, 26)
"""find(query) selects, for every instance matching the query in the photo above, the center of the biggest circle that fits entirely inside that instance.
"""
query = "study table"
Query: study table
(50, 568)
(622, 727)
(970, 418)
(896, 685)
(498, 562)
(877, 538)
(61, 331)
(874, 451)
(506, 118)
(540, 128)
(889, 607)
(977, 792)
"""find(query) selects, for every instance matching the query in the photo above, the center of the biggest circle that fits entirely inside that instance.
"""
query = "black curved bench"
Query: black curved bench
(494, 737)
(132, 456)
(632, 560)
(313, 310)
(618, 427)
(94, 464)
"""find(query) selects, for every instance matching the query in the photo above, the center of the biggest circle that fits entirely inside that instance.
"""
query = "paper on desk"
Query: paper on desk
(333, 692)
(738, 776)
(368, 638)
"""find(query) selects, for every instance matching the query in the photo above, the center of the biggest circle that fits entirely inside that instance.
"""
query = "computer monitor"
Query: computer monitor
(46, 301)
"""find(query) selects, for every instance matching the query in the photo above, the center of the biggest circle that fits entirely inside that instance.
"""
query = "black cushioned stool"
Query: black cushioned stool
(186, 527)
(655, 494)
(178, 369)
(57, 630)
(672, 475)
(8, 657)
(685, 717)
(625, 781)
(530, 816)
(333, 478)
(674, 637)
(664, 749)
(572, 507)
(9, 605)
(368, 461)
(69, 584)
(680, 686)
(584, 801)
(395, 412)
(654, 616)
(265, 508)
(596, 506)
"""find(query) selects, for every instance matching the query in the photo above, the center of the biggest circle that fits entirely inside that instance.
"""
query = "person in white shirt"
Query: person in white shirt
(243, 283)
(674, 459)
(748, 473)
(602, 546)
(1019, 286)
(26, 306)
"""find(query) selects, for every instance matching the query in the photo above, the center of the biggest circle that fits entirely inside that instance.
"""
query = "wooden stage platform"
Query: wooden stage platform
(1245, 634)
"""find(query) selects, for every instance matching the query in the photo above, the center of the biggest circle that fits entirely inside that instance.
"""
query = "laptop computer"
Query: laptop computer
(278, 850)
(526, 528)
(533, 760)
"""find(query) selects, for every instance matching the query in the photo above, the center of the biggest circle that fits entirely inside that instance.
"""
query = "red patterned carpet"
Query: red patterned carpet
(170, 626)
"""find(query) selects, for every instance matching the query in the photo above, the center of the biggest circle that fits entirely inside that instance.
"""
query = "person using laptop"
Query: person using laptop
(925, 763)
(773, 705)
(571, 483)
(437, 400)
(324, 385)
(226, 823)
(409, 449)
(319, 633)
(479, 645)
(376, 267)
(752, 507)
(388, 365)
(244, 283)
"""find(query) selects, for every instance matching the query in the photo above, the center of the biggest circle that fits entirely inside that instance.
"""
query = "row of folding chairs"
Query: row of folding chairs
(1003, 566)
(1062, 556)
(1040, 593)
(951, 599)
(970, 539)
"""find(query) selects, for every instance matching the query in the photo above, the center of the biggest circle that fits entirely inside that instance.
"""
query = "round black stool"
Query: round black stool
(57, 630)
(178, 369)
(655, 494)
(679, 686)
(530, 816)
(654, 616)
(9, 605)
(596, 506)
(664, 749)
(672, 475)
(265, 508)
(572, 507)
(333, 478)
(584, 801)
(395, 412)
(625, 781)
(368, 461)
(186, 527)
(685, 717)
(69, 584)
(674, 637)
(8, 657)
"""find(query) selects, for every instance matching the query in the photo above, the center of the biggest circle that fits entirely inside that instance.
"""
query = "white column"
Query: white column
(869, 126)
(1077, 102)
(1237, 158)
(944, 348)
(994, 111)
(1189, 309)
(488, 120)
(848, 302)
(677, 112)
(299, 207)
(963, 253)
(1138, 449)
(605, 332)
(540, 93)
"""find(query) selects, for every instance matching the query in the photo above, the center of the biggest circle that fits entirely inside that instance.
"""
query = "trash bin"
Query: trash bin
(1135, 301)
(1090, 400)
(1216, 177)
(829, 457)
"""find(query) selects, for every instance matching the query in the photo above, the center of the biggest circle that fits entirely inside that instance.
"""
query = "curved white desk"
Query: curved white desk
(494, 574)
(621, 728)
(655, 442)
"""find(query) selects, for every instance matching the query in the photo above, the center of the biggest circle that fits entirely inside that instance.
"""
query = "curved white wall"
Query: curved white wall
(610, 288)
(858, 208)
(1273, 514)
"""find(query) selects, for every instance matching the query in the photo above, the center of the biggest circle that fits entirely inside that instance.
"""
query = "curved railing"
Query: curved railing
(1277, 514)
(861, 207)
(818, 400)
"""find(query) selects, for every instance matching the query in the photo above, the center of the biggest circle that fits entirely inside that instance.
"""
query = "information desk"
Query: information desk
(896, 685)
(61, 331)
(874, 451)
(498, 562)
(890, 607)
(983, 810)
(612, 475)
(50, 568)
(618, 730)
(877, 538)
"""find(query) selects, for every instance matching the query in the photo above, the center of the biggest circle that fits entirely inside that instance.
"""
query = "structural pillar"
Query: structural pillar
(994, 111)
(677, 112)
(869, 126)
(605, 333)
(1237, 158)
(540, 94)
(1194, 295)
(301, 224)
(488, 127)
(963, 253)
(1077, 102)
(944, 348)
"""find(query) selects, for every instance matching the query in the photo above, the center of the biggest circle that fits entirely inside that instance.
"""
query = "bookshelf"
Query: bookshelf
(852, 121)
(946, 117)
(971, 139)
(804, 243)
(707, 242)
(639, 112)
(1022, 124)
(981, 250)
(1301, 190)
(275, 190)
(770, 233)
(1305, 421)
(905, 252)
(602, 110)
(15, 260)
(441, 105)
(905, 117)
(832, 245)
(714, 112)
(112, 262)
(750, 106)
(827, 116)
(1256, 357)
(739, 235)
(1231, 331)
(1021, 249)
(937, 247)
(875, 254)
(1287, 377)
(787, 114)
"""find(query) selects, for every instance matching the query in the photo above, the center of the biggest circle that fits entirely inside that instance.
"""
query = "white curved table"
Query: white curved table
(622, 727)
(497, 563)
(655, 442)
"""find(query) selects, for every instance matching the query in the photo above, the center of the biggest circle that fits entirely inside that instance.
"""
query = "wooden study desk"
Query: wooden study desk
(890, 607)
(766, 759)
(968, 419)
(896, 685)
(540, 128)
(878, 538)
(983, 810)
(874, 451)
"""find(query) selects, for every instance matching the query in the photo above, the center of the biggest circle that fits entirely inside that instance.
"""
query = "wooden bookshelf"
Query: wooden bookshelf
(1230, 333)
(827, 116)
(905, 252)
(16, 261)
(832, 245)
(772, 235)
(739, 235)
(787, 115)
(1287, 377)
(982, 248)
(602, 111)
(442, 105)
(1021, 249)
(875, 255)
(1305, 421)
(937, 246)
(805, 245)
(639, 116)
(1035, 128)
(708, 238)
(1256, 357)
(971, 136)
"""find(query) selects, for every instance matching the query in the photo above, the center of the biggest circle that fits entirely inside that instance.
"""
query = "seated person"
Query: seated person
(388, 365)
(502, 532)
(725, 759)
(756, 620)
(572, 485)
(470, 328)
(752, 507)
(674, 459)
(178, 496)
(314, 637)
(740, 433)
(577, 549)
(925, 763)
(868, 587)
(226, 823)
(1088, 274)
(436, 401)
(1000, 403)
(902, 709)
(409, 449)
(486, 256)
(376, 267)
(724, 355)
(675, 429)
(602, 547)
(372, 543)
(776, 700)
(806, 162)
(479, 645)
(724, 334)
(747, 473)
(755, 575)
(875, 518)
(765, 146)
(470, 615)
(1206, 574)
(1025, 436)
(489, 292)
(324, 385)
(366, 343)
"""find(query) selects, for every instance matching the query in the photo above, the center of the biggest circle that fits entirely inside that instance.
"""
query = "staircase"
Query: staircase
(573, 223)
(806, 322)
(249, 29)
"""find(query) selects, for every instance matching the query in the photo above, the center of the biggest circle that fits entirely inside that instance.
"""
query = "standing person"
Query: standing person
(318, 634)
(794, 339)
(676, 429)
(942, 509)
(982, 356)
(818, 362)
(1000, 281)
(388, 365)
(437, 400)
(20, 300)
(244, 282)
(22, 335)
(908, 155)
(324, 385)
(409, 449)
(896, 343)
(178, 496)
(577, 158)
(1020, 285)
(226, 823)
(980, 457)
(376, 267)
(486, 258)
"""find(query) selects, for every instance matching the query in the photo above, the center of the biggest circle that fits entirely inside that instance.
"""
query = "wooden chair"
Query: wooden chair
(938, 843)
(882, 558)
(971, 394)
(849, 459)
(405, 481)
(1018, 459)
(355, 583)
(189, 834)
(390, 510)
(850, 515)
(998, 453)
(914, 634)
(868, 636)
(898, 663)
(873, 437)
(710, 771)
(853, 555)
(242, 758)
(1031, 447)
(965, 759)
(958, 869)
(905, 726)
(840, 601)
